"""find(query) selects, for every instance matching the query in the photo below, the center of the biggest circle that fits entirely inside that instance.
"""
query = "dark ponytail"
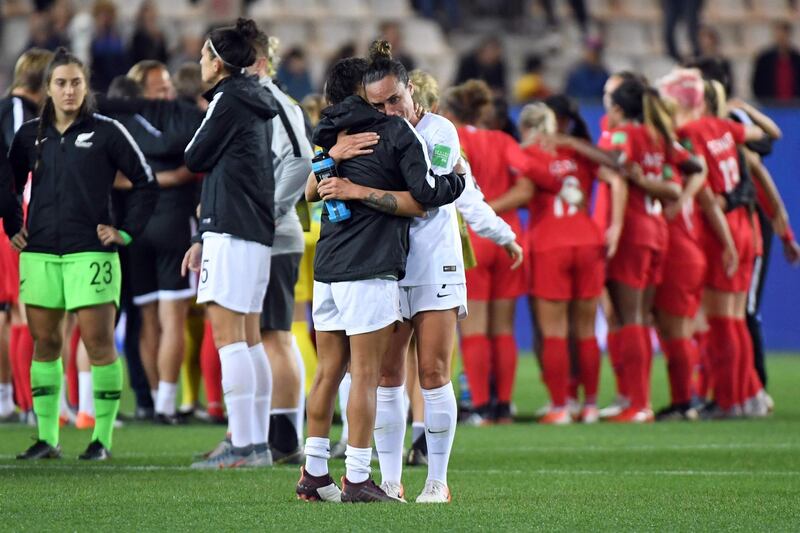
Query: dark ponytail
(47, 115)
(642, 104)
(233, 45)
(565, 107)
(381, 64)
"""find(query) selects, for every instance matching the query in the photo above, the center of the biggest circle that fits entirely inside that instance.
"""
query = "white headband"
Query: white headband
(242, 70)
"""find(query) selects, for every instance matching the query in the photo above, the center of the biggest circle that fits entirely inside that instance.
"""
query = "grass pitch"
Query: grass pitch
(738, 475)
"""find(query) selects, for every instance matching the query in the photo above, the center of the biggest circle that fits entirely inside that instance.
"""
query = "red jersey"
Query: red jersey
(491, 155)
(716, 139)
(644, 225)
(601, 214)
(555, 223)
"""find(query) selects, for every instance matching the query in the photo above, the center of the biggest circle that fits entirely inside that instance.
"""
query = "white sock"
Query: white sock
(165, 400)
(344, 394)
(301, 404)
(238, 387)
(356, 464)
(417, 431)
(63, 403)
(318, 451)
(6, 399)
(441, 414)
(263, 393)
(390, 431)
(85, 393)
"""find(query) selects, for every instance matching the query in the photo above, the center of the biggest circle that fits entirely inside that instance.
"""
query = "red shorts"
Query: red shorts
(568, 273)
(748, 245)
(636, 265)
(681, 290)
(9, 272)
(492, 278)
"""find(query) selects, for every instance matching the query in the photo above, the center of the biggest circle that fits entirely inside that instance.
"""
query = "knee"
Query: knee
(47, 345)
(433, 376)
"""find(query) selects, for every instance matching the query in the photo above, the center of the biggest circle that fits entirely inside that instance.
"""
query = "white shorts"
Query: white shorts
(420, 298)
(234, 273)
(356, 307)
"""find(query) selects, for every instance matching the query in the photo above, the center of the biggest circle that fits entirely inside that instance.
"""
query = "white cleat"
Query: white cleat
(394, 489)
(574, 408)
(543, 410)
(619, 404)
(590, 414)
(434, 492)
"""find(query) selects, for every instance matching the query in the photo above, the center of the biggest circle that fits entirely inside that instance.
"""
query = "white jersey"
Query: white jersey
(435, 256)
(479, 215)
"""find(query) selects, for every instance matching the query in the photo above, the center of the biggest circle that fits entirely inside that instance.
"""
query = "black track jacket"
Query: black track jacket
(232, 145)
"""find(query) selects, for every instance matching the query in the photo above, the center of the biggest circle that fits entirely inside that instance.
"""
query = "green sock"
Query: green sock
(107, 385)
(46, 380)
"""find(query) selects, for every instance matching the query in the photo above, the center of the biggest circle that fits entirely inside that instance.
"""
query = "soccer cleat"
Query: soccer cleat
(338, 450)
(317, 488)
(95, 452)
(394, 489)
(632, 415)
(65, 417)
(557, 417)
(619, 404)
(219, 449)
(712, 411)
(768, 400)
(41, 450)
(84, 421)
(676, 412)
(589, 414)
(11, 418)
(434, 492)
(543, 410)
(418, 454)
(502, 414)
(365, 492)
(755, 407)
(574, 408)
(160, 419)
(258, 459)
(297, 457)
(227, 459)
(143, 413)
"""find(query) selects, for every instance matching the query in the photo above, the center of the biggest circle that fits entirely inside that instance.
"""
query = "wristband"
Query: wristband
(126, 237)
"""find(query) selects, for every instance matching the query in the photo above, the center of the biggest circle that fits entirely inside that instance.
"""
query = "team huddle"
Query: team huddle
(421, 243)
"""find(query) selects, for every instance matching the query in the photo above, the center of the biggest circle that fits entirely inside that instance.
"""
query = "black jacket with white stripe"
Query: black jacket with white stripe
(232, 145)
(71, 185)
(14, 112)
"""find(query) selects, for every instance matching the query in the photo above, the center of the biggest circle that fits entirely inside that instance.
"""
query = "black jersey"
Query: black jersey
(232, 145)
(71, 186)
(14, 112)
(373, 244)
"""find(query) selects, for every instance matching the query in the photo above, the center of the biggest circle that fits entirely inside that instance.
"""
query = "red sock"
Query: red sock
(22, 353)
(475, 352)
(72, 367)
(212, 372)
(13, 342)
(648, 363)
(589, 357)
(723, 353)
(749, 383)
(555, 369)
(633, 347)
(572, 385)
(504, 366)
(703, 377)
(680, 358)
(615, 355)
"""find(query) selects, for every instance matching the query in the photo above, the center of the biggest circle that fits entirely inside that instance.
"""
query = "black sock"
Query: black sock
(282, 433)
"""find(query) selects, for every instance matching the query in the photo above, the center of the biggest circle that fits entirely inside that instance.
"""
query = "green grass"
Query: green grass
(738, 475)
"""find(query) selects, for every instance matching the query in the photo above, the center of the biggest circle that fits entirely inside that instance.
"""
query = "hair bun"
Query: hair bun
(246, 28)
(60, 53)
(380, 51)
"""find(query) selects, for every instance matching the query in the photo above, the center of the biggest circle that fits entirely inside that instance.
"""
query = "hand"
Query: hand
(635, 174)
(109, 235)
(730, 260)
(337, 189)
(460, 167)
(20, 240)
(350, 146)
(780, 223)
(613, 234)
(514, 251)
(736, 103)
(791, 251)
(191, 260)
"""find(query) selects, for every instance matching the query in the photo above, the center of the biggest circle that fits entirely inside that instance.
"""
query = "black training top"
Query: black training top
(70, 192)
(233, 146)
(373, 244)
(14, 112)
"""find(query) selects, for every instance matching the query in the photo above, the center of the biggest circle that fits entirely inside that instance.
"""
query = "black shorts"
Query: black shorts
(278, 309)
(156, 256)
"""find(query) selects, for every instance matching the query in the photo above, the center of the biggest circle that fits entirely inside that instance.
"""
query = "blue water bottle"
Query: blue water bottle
(325, 167)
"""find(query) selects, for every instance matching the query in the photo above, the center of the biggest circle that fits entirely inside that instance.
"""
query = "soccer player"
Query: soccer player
(487, 334)
(237, 230)
(356, 268)
(566, 248)
(292, 155)
(68, 260)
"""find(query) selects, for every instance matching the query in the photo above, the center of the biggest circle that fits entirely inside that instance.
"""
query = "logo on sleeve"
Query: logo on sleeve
(84, 140)
(441, 155)
(449, 268)
(619, 137)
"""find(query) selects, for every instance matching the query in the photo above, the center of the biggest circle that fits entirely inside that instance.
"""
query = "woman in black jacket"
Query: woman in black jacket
(232, 146)
(69, 259)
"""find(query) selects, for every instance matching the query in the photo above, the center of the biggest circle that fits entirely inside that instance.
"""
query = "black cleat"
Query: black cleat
(502, 414)
(317, 488)
(169, 420)
(365, 492)
(295, 457)
(95, 452)
(676, 412)
(418, 454)
(41, 450)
